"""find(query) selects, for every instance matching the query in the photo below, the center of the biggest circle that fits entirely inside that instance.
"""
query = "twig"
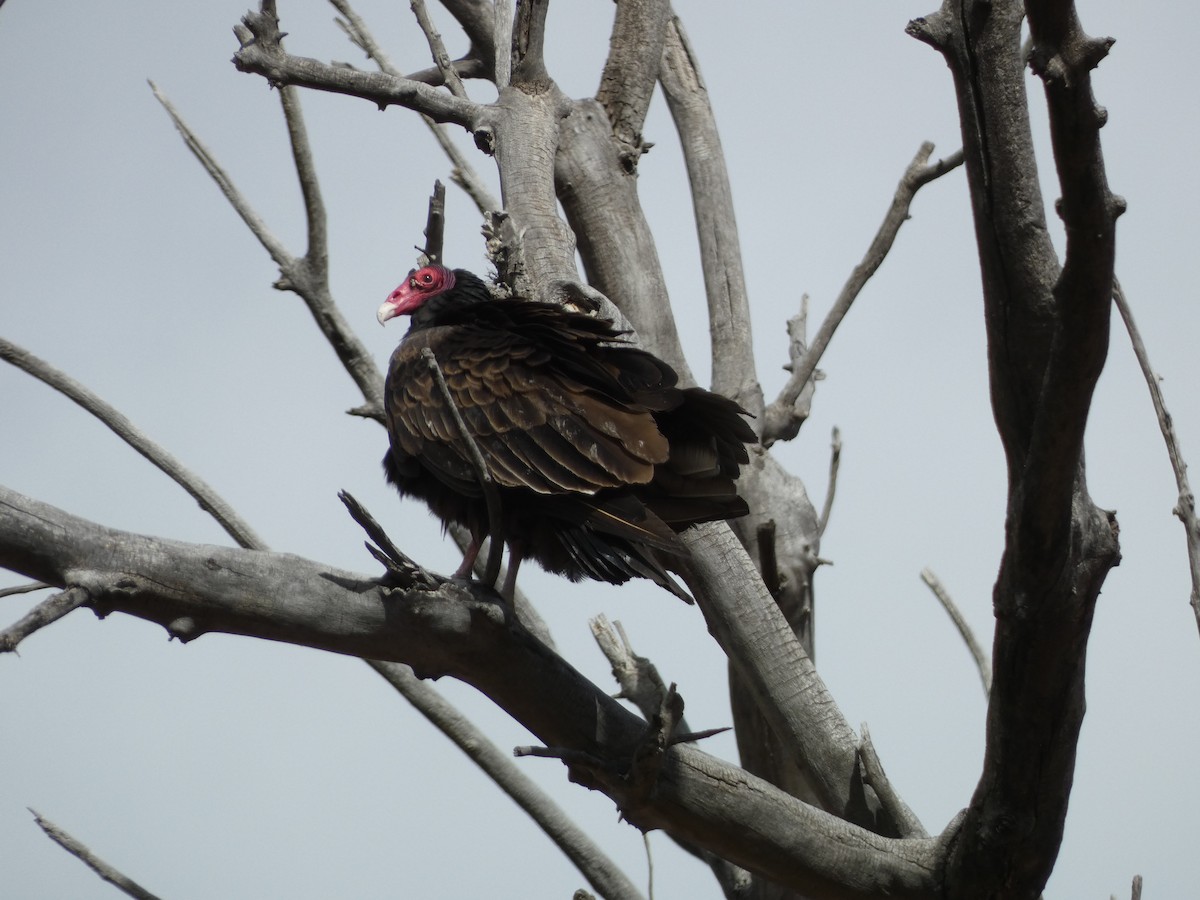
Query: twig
(438, 49)
(1136, 889)
(981, 660)
(692, 737)
(1185, 507)
(835, 458)
(308, 276)
(97, 865)
(23, 589)
(208, 499)
(317, 254)
(637, 676)
(905, 819)
(463, 173)
(641, 684)
(393, 558)
(253, 221)
(600, 871)
(435, 226)
(775, 428)
(567, 755)
(45, 613)
(490, 495)
(780, 420)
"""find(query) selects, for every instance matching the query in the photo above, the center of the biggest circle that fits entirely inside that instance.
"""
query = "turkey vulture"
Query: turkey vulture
(598, 459)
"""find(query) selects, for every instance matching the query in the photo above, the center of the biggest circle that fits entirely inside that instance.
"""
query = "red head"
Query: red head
(419, 286)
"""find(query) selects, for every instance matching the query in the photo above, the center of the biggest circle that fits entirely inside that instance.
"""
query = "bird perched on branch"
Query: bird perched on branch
(596, 458)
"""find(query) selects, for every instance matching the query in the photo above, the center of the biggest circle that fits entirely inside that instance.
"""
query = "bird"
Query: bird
(598, 458)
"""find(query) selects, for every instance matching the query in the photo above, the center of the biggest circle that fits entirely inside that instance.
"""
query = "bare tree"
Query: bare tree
(810, 813)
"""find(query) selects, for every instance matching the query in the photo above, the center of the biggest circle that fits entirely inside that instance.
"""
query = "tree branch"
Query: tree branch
(23, 589)
(261, 53)
(835, 458)
(528, 46)
(123, 883)
(642, 685)
(441, 58)
(1185, 506)
(1047, 340)
(253, 221)
(597, 868)
(635, 53)
(981, 661)
(308, 276)
(463, 173)
(45, 613)
(456, 630)
(783, 416)
(906, 820)
(158, 456)
(790, 694)
(734, 372)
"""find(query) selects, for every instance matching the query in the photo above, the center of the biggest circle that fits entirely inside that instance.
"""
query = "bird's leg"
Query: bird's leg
(515, 555)
(469, 556)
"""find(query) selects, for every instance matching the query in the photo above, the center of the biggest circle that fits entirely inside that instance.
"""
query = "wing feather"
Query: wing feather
(536, 426)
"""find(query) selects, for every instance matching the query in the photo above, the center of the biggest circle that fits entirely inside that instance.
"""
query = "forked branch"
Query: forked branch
(261, 52)
(783, 417)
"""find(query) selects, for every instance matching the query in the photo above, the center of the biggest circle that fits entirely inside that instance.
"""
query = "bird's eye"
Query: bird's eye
(426, 277)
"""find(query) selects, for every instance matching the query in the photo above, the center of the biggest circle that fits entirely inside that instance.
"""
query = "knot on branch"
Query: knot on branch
(633, 148)
(485, 139)
(933, 30)
(1063, 65)
(261, 47)
(183, 629)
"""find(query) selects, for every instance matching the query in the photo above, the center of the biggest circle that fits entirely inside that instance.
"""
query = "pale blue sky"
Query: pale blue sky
(234, 768)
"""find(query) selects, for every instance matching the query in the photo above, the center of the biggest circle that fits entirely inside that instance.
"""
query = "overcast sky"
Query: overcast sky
(237, 768)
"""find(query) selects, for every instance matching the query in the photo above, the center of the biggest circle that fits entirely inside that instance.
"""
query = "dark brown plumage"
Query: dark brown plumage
(599, 459)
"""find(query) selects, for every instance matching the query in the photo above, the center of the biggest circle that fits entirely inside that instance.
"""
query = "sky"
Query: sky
(238, 768)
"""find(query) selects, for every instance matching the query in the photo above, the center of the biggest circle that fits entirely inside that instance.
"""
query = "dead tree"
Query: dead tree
(810, 813)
